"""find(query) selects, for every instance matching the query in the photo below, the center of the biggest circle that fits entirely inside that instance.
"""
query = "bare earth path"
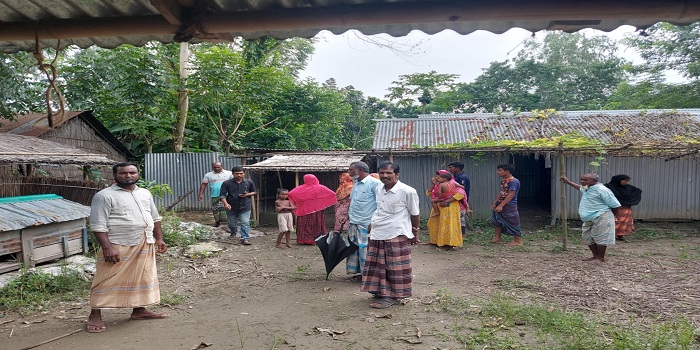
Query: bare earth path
(259, 297)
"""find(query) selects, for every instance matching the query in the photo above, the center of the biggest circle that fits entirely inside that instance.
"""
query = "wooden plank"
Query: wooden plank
(9, 266)
(27, 248)
(55, 251)
(64, 245)
(10, 242)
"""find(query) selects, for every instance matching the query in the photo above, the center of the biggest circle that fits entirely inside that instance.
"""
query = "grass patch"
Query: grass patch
(35, 290)
(170, 299)
(504, 323)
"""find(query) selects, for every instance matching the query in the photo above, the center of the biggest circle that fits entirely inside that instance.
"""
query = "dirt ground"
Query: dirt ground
(259, 297)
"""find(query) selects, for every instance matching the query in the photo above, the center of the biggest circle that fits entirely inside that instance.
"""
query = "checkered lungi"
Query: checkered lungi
(387, 272)
(357, 234)
(217, 208)
(600, 230)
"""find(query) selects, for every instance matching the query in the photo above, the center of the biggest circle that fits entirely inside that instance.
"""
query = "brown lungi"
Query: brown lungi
(130, 283)
(387, 271)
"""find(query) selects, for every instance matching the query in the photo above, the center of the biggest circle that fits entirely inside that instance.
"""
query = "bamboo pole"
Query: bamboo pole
(562, 189)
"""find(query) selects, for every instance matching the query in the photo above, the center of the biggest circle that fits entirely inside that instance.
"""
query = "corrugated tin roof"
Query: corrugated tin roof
(647, 128)
(109, 23)
(19, 149)
(25, 213)
(37, 124)
(305, 162)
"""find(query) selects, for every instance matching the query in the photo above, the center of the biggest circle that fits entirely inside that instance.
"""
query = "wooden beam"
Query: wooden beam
(170, 10)
(352, 16)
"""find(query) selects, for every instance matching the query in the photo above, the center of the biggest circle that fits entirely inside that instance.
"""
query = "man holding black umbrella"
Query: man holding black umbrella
(395, 224)
(363, 203)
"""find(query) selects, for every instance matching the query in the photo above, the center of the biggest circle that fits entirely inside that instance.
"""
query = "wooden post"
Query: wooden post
(27, 248)
(183, 99)
(562, 197)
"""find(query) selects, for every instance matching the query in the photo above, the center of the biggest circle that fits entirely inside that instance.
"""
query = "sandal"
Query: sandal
(96, 328)
(383, 303)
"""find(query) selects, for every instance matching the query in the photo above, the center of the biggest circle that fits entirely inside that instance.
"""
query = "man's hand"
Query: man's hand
(227, 206)
(498, 209)
(201, 197)
(110, 254)
(162, 247)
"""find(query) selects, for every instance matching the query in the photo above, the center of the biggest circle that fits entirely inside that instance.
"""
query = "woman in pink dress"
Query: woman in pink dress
(311, 199)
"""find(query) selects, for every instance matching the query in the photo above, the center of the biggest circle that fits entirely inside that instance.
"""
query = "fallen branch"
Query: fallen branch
(178, 200)
(53, 339)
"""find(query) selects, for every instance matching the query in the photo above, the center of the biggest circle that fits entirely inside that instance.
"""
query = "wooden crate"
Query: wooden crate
(37, 244)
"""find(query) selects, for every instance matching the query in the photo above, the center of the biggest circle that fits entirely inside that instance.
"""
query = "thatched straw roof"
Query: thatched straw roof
(306, 162)
(18, 149)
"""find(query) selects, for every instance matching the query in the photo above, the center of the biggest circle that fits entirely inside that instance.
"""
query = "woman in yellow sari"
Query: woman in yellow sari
(445, 229)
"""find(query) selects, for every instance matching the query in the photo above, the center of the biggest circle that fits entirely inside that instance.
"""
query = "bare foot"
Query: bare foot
(95, 324)
(287, 245)
(601, 260)
(143, 314)
(279, 246)
(496, 241)
(435, 214)
(514, 244)
(589, 259)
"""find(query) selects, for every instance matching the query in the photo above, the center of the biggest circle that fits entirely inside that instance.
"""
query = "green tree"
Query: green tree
(653, 94)
(234, 97)
(133, 91)
(563, 71)
(421, 87)
(21, 86)
(669, 47)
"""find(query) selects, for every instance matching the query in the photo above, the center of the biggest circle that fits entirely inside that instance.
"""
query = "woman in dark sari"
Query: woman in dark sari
(628, 196)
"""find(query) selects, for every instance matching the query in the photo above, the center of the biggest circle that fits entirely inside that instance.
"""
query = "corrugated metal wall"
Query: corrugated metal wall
(184, 172)
(417, 172)
(671, 190)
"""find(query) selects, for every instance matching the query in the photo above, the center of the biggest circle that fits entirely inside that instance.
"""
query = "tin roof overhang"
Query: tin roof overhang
(108, 23)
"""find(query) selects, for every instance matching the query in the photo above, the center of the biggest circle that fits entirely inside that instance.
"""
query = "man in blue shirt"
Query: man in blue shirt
(456, 168)
(363, 203)
(598, 230)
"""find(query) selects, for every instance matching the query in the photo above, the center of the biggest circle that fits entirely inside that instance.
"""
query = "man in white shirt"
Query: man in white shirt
(395, 224)
(214, 179)
(126, 223)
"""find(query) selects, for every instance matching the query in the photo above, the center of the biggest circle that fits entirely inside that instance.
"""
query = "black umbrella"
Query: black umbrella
(334, 248)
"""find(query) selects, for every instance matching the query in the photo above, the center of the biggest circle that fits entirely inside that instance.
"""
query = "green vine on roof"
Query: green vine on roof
(571, 140)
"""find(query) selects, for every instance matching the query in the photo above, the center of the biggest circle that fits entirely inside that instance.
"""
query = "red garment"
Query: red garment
(311, 196)
(309, 227)
(464, 202)
(345, 186)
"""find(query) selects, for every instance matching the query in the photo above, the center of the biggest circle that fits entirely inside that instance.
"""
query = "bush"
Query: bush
(34, 290)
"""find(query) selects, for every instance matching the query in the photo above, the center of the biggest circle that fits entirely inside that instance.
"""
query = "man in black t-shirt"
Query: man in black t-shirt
(236, 195)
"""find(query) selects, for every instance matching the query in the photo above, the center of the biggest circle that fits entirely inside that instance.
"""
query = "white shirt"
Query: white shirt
(126, 216)
(394, 210)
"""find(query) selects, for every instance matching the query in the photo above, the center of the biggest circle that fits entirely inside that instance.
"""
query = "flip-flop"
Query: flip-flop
(383, 303)
(94, 328)
(150, 316)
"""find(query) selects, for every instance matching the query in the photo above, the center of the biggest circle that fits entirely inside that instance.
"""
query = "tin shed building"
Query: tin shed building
(659, 149)
(39, 228)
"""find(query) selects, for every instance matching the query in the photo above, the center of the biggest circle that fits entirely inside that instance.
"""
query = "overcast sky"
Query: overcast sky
(371, 69)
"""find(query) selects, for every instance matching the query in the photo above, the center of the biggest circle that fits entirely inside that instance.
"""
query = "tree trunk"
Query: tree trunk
(183, 100)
